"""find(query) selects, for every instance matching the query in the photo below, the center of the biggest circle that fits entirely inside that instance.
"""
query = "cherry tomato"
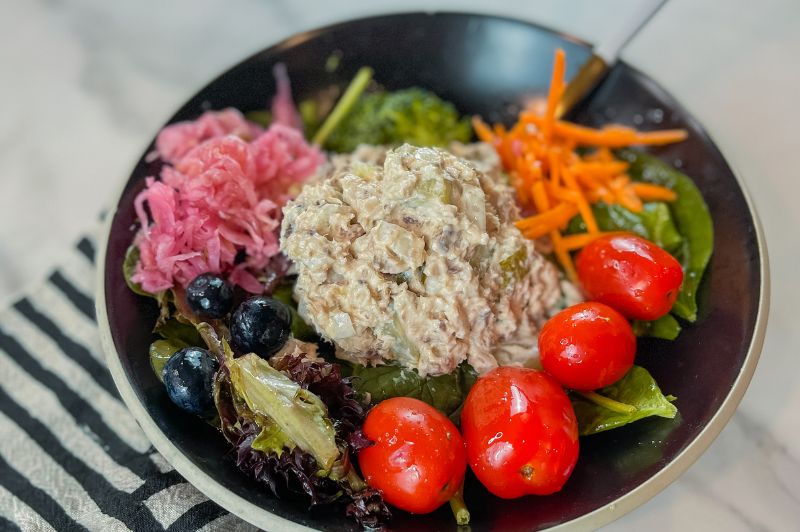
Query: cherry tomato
(521, 432)
(631, 274)
(418, 460)
(587, 346)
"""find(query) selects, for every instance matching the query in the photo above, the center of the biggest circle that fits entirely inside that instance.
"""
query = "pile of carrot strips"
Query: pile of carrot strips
(555, 182)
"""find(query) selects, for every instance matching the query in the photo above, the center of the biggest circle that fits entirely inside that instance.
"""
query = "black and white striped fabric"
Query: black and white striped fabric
(71, 456)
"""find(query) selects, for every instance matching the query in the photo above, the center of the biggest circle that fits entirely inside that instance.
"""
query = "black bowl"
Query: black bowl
(488, 66)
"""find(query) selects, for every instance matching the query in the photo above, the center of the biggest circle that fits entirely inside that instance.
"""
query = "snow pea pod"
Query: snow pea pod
(692, 219)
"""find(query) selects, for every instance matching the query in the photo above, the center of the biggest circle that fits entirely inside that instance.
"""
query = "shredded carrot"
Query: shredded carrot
(617, 136)
(605, 195)
(562, 194)
(482, 130)
(613, 136)
(549, 220)
(554, 182)
(577, 241)
(583, 205)
(602, 154)
(562, 254)
(650, 192)
(554, 94)
(600, 169)
(540, 196)
(555, 168)
(624, 194)
(587, 181)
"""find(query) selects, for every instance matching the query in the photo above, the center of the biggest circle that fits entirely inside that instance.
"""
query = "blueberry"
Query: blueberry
(209, 296)
(188, 376)
(261, 325)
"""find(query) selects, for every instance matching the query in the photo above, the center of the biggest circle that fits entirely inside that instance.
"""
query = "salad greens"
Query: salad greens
(294, 424)
(692, 220)
(344, 106)
(683, 228)
(161, 351)
(294, 421)
(654, 223)
(444, 392)
(129, 268)
(295, 417)
(175, 335)
(666, 327)
(635, 396)
(411, 115)
(179, 332)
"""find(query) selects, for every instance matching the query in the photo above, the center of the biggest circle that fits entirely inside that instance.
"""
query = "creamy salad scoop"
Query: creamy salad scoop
(410, 256)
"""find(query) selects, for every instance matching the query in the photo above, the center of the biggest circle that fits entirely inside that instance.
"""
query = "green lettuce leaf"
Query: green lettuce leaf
(637, 389)
(270, 448)
(272, 439)
(444, 392)
(299, 415)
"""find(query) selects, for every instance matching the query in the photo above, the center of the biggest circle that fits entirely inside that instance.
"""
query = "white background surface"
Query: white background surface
(84, 85)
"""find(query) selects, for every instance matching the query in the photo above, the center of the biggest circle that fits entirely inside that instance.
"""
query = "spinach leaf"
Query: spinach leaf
(637, 389)
(665, 327)
(283, 293)
(658, 219)
(692, 219)
(444, 392)
(300, 329)
(129, 268)
(654, 223)
(177, 331)
(175, 335)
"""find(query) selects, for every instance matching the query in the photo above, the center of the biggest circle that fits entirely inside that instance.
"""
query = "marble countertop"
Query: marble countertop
(86, 84)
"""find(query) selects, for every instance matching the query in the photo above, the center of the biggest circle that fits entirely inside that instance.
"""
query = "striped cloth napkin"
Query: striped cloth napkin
(71, 455)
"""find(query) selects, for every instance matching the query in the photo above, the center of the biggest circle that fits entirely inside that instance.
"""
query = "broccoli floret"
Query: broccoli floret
(362, 125)
(411, 115)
